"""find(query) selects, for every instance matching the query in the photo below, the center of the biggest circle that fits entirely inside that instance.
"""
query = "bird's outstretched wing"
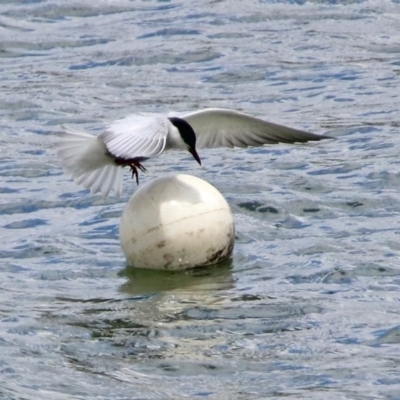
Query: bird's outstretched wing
(217, 127)
(136, 137)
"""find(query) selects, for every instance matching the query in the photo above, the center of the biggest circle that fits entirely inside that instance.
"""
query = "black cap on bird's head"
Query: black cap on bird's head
(188, 136)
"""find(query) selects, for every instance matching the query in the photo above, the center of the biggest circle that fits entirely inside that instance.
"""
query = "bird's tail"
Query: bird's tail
(85, 158)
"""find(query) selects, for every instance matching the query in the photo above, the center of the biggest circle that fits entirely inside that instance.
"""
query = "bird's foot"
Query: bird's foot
(134, 165)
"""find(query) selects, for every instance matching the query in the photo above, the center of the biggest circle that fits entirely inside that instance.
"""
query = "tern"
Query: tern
(95, 161)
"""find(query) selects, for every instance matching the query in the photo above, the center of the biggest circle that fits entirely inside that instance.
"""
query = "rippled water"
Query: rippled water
(308, 308)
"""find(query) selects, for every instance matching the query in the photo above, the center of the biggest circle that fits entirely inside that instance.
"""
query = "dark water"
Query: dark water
(308, 308)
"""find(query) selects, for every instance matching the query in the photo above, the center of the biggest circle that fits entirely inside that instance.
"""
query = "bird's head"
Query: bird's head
(188, 136)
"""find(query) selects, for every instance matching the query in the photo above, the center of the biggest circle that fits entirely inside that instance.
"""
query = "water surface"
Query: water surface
(308, 308)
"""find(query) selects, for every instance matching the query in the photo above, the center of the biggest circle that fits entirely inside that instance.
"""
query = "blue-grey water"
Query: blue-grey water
(308, 307)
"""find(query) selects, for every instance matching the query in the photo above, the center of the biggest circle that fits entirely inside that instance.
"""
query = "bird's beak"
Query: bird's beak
(193, 152)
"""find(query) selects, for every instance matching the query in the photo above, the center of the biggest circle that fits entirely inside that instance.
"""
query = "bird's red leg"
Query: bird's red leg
(134, 173)
(133, 164)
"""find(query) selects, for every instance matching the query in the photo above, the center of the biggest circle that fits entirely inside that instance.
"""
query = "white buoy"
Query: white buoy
(176, 222)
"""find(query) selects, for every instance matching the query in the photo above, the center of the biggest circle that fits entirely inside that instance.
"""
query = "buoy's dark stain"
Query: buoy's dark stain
(222, 254)
(161, 244)
(215, 257)
(169, 258)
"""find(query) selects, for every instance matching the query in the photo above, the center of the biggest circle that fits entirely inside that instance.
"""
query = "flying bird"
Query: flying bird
(95, 161)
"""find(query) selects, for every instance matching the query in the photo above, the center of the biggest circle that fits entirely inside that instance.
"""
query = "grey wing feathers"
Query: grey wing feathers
(216, 127)
(136, 137)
